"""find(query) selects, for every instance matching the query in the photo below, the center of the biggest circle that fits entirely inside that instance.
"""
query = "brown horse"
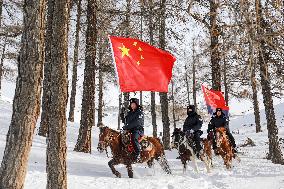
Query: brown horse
(120, 152)
(185, 147)
(224, 147)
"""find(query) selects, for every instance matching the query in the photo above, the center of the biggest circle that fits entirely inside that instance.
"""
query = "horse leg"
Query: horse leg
(206, 162)
(111, 164)
(150, 162)
(193, 159)
(184, 166)
(129, 171)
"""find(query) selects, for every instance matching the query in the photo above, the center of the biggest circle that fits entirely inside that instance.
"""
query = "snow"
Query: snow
(91, 170)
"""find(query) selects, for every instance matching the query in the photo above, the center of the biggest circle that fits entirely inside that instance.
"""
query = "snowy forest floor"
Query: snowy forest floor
(87, 171)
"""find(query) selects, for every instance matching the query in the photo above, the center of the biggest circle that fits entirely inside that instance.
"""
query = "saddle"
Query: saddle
(128, 143)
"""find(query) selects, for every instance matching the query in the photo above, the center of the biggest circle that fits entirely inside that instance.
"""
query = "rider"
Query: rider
(219, 120)
(134, 122)
(193, 123)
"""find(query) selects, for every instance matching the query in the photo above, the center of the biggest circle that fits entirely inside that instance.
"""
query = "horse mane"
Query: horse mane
(102, 129)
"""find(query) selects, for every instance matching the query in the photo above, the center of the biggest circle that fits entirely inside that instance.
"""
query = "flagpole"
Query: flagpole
(120, 93)
(115, 68)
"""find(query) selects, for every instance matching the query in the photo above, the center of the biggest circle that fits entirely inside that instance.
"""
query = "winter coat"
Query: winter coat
(218, 121)
(134, 120)
(192, 122)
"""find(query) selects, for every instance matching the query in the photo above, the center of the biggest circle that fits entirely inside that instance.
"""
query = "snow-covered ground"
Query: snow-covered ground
(87, 171)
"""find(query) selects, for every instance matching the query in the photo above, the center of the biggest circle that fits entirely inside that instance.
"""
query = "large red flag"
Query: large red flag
(140, 66)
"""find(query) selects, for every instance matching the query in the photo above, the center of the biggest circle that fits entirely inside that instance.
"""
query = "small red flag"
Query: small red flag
(214, 99)
(140, 66)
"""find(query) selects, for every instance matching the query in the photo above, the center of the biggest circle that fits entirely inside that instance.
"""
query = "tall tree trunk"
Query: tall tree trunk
(194, 76)
(194, 84)
(187, 85)
(141, 38)
(173, 101)
(275, 153)
(26, 104)
(56, 137)
(164, 96)
(226, 88)
(88, 102)
(101, 83)
(4, 47)
(127, 29)
(153, 95)
(254, 88)
(1, 8)
(42, 131)
(75, 63)
(119, 110)
(2, 61)
(214, 47)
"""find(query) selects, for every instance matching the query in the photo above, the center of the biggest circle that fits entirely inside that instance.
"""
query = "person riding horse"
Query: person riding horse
(193, 124)
(134, 123)
(219, 120)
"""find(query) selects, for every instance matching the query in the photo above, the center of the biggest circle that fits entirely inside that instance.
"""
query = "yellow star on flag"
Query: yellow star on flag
(139, 49)
(135, 43)
(124, 51)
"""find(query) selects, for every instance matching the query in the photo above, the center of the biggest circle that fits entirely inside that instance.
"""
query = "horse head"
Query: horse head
(177, 138)
(105, 138)
(220, 135)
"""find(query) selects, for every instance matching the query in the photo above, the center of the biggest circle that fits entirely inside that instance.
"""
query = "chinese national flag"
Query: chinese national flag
(140, 66)
(214, 99)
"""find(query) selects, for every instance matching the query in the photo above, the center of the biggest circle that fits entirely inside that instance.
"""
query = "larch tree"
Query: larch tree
(57, 122)
(88, 101)
(75, 62)
(264, 54)
(164, 96)
(42, 131)
(26, 103)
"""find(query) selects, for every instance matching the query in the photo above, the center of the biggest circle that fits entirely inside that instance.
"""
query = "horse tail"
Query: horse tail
(164, 164)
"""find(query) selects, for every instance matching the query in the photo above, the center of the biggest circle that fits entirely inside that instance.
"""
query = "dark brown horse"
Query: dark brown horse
(120, 152)
(224, 147)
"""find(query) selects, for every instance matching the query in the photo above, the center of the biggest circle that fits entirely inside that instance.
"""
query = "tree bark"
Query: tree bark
(164, 96)
(26, 103)
(226, 87)
(2, 61)
(127, 29)
(254, 88)
(119, 110)
(1, 8)
(4, 47)
(187, 85)
(275, 153)
(101, 83)
(153, 95)
(56, 138)
(75, 63)
(194, 77)
(42, 131)
(88, 102)
(214, 47)
(173, 101)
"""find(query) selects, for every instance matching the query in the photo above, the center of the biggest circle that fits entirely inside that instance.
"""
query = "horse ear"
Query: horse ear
(101, 125)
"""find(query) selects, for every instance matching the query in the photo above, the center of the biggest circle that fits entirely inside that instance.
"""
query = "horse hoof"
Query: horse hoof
(118, 175)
